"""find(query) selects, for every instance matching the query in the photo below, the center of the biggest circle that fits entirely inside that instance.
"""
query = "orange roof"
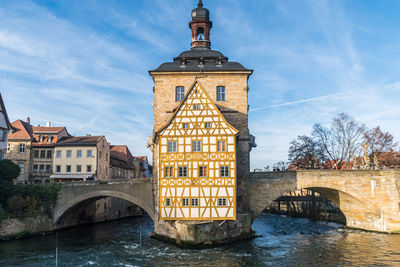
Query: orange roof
(21, 130)
(41, 129)
(121, 152)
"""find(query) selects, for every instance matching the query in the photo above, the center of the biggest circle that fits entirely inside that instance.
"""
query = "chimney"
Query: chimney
(48, 124)
(28, 120)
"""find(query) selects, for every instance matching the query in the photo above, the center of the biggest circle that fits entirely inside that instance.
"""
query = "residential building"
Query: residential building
(44, 139)
(77, 158)
(31, 147)
(122, 163)
(5, 127)
(144, 169)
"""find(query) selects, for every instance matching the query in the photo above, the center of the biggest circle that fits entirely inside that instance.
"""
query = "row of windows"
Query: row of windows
(196, 146)
(194, 202)
(78, 168)
(203, 171)
(180, 93)
(207, 125)
(42, 154)
(89, 153)
(41, 168)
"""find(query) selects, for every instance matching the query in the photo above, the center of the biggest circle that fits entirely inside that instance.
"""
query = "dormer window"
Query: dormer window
(41, 138)
(179, 93)
(196, 107)
(221, 93)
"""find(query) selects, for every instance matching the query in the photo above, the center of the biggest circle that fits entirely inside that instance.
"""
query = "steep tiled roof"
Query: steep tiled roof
(21, 130)
(121, 153)
(79, 141)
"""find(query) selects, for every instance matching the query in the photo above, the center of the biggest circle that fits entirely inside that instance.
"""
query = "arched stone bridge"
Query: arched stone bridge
(72, 195)
(369, 199)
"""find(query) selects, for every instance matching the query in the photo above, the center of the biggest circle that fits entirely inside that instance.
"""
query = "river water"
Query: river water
(284, 242)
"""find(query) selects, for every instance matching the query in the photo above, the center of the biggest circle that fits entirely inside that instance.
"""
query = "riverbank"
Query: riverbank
(14, 228)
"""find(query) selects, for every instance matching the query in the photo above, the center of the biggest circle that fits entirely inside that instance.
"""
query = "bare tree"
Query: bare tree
(342, 140)
(379, 141)
(305, 153)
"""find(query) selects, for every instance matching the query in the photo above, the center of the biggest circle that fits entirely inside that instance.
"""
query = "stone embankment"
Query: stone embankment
(19, 227)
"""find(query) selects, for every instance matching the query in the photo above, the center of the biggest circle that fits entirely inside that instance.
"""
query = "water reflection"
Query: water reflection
(284, 242)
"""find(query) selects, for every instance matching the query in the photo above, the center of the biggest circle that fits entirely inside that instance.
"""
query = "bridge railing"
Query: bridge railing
(110, 182)
(273, 175)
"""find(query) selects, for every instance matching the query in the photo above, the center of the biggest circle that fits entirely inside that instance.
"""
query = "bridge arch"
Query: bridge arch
(64, 206)
(352, 192)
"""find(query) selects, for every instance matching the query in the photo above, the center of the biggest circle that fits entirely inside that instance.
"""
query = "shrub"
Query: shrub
(8, 170)
(16, 204)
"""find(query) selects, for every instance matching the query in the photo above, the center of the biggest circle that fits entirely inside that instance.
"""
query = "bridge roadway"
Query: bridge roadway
(369, 199)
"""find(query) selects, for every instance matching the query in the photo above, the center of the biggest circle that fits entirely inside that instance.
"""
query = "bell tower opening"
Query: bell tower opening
(200, 26)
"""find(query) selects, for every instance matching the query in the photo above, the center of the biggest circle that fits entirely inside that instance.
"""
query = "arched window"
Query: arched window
(220, 93)
(179, 93)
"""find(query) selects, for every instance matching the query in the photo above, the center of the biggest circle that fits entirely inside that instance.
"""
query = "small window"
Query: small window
(69, 154)
(196, 107)
(36, 154)
(207, 125)
(169, 172)
(4, 135)
(182, 171)
(196, 146)
(220, 93)
(21, 167)
(41, 168)
(21, 148)
(42, 154)
(168, 202)
(222, 202)
(221, 146)
(172, 147)
(58, 154)
(8, 147)
(78, 168)
(185, 202)
(224, 171)
(88, 168)
(58, 168)
(99, 169)
(100, 154)
(49, 154)
(41, 137)
(195, 202)
(35, 168)
(203, 171)
(49, 139)
(68, 168)
(48, 168)
(179, 93)
(185, 126)
(89, 153)
(79, 153)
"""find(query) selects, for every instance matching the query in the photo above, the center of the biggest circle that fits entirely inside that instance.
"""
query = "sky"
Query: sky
(84, 64)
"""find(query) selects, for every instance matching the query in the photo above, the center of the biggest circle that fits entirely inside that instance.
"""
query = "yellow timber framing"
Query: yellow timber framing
(210, 188)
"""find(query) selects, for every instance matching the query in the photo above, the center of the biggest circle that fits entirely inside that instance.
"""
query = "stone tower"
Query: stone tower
(226, 84)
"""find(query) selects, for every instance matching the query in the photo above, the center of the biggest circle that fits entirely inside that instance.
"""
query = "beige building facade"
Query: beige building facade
(78, 158)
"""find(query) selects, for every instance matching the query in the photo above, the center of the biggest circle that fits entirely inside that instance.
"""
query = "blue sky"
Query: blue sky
(83, 64)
